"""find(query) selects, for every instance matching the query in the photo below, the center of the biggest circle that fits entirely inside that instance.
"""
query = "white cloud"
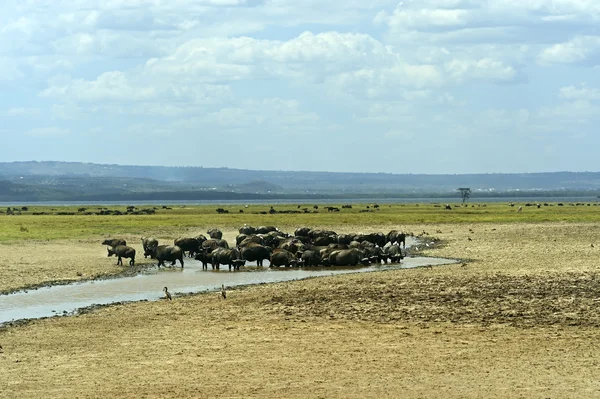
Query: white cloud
(112, 85)
(432, 72)
(484, 69)
(10, 70)
(22, 111)
(581, 92)
(47, 132)
(580, 49)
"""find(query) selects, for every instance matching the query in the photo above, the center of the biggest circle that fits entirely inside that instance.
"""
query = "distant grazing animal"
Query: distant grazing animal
(113, 242)
(122, 251)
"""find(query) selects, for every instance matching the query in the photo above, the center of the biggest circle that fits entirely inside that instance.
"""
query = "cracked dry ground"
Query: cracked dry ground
(520, 319)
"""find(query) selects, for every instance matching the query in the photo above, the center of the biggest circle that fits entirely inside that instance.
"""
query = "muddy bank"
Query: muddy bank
(565, 299)
(129, 271)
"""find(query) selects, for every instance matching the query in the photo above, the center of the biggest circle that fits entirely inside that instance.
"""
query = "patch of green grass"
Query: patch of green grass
(179, 219)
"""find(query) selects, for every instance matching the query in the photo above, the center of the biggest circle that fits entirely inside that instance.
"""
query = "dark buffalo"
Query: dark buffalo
(281, 257)
(247, 230)
(215, 233)
(265, 229)
(311, 257)
(375, 254)
(122, 251)
(376, 238)
(190, 245)
(314, 234)
(205, 257)
(214, 243)
(230, 257)
(347, 257)
(396, 236)
(148, 243)
(323, 240)
(344, 239)
(393, 252)
(302, 231)
(170, 253)
(251, 239)
(113, 242)
(255, 253)
(201, 238)
(291, 244)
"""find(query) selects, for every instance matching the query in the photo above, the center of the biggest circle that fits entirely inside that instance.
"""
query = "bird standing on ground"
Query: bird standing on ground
(167, 295)
(223, 292)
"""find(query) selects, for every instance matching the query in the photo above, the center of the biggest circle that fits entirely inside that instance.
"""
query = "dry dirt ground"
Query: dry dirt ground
(520, 318)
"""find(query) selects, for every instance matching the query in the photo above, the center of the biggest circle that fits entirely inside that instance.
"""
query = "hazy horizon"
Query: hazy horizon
(409, 87)
(292, 170)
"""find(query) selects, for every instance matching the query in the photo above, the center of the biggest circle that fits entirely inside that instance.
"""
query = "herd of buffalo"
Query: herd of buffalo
(306, 247)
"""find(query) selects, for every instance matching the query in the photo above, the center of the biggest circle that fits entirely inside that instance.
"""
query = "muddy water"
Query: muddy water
(65, 299)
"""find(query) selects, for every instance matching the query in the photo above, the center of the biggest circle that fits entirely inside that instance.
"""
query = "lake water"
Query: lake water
(442, 200)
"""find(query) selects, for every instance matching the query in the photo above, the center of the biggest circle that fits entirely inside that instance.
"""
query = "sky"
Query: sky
(422, 86)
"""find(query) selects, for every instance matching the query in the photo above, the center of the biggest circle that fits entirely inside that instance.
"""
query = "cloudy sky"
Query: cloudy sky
(422, 86)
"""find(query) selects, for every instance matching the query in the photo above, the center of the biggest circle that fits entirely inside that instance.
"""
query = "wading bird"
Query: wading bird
(167, 295)
(223, 292)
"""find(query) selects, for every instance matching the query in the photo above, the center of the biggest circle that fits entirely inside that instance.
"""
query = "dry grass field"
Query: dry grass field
(518, 319)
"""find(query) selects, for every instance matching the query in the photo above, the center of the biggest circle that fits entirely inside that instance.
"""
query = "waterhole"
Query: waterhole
(66, 299)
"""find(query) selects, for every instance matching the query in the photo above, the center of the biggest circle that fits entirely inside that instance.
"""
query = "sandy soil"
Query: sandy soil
(519, 319)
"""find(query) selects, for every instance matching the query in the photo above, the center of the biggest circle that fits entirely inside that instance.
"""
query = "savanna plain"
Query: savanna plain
(518, 316)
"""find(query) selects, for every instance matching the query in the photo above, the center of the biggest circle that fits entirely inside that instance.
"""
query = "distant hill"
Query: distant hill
(38, 181)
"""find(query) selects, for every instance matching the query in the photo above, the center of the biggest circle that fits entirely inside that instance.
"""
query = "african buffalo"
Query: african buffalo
(265, 229)
(344, 239)
(205, 257)
(302, 231)
(396, 236)
(169, 253)
(393, 252)
(245, 229)
(214, 243)
(190, 245)
(148, 243)
(114, 242)
(347, 257)
(122, 251)
(215, 233)
(255, 252)
(230, 257)
(281, 257)
(311, 257)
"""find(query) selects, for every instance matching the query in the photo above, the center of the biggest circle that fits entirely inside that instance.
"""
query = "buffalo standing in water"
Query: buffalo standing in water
(189, 244)
(122, 251)
(170, 253)
(148, 243)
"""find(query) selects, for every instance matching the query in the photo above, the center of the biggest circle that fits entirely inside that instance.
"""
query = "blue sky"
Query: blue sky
(429, 86)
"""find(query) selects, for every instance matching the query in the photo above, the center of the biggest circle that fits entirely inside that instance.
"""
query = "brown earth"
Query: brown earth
(519, 319)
